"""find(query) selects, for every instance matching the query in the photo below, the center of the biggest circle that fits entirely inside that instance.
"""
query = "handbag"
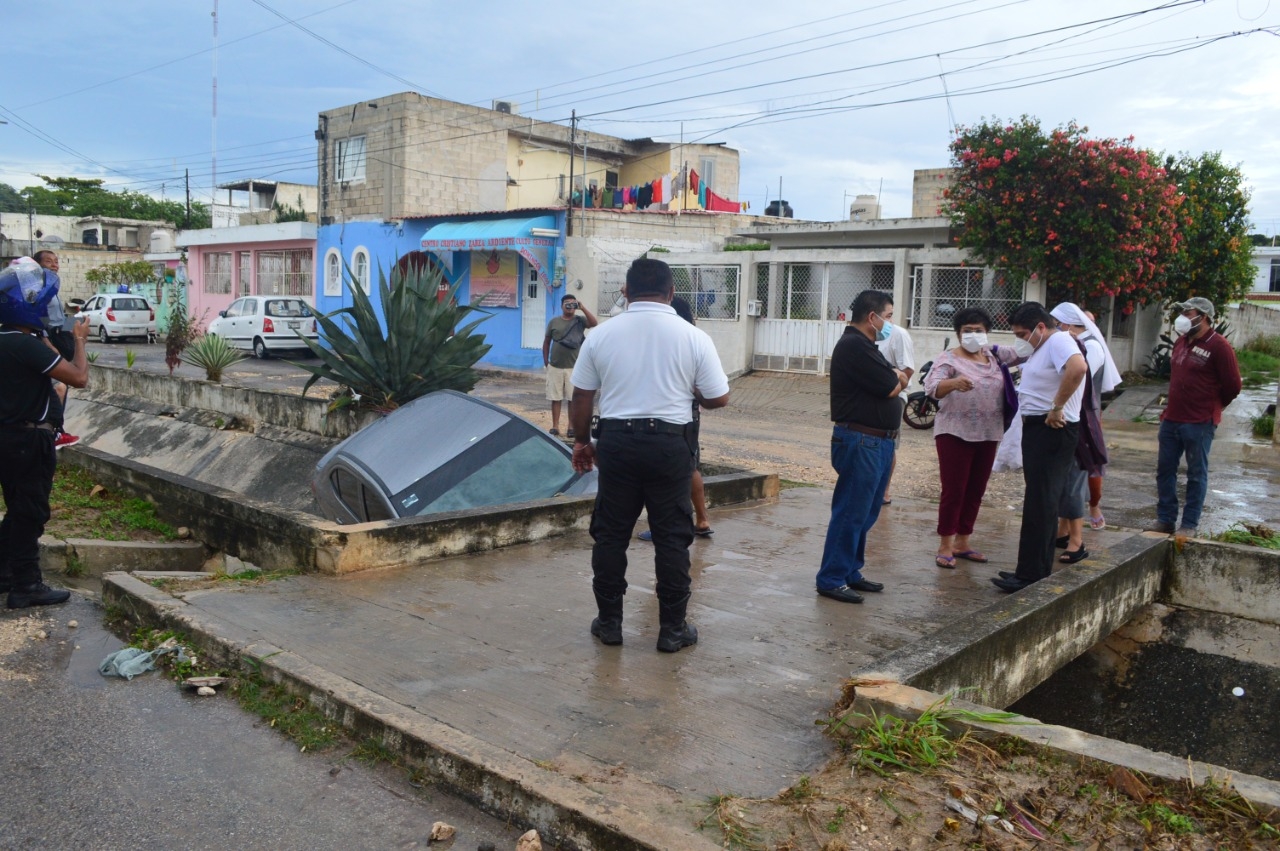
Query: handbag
(1010, 409)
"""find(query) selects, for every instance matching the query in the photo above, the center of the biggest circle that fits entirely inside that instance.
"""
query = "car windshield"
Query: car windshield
(287, 308)
(130, 304)
(512, 465)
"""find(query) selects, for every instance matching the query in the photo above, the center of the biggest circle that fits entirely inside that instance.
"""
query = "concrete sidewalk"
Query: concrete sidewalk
(496, 647)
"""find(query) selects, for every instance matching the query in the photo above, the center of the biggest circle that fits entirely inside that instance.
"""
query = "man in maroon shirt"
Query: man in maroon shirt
(1203, 380)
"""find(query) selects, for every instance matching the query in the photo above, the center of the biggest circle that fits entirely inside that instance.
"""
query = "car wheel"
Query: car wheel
(260, 349)
(102, 334)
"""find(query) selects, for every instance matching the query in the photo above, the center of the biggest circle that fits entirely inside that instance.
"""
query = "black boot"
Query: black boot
(674, 632)
(36, 594)
(608, 626)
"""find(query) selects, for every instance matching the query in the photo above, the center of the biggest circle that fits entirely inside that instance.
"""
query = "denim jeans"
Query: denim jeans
(1194, 439)
(862, 464)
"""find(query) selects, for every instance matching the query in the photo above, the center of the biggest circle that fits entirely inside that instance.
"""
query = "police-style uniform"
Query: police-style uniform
(646, 364)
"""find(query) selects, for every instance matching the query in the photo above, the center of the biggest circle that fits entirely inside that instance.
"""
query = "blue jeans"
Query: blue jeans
(862, 463)
(1195, 439)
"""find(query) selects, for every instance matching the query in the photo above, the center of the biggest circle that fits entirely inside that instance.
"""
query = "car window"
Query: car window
(375, 508)
(347, 487)
(234, 310)
(131, 304)
(289, 308)
(484, 475)
(250, 307)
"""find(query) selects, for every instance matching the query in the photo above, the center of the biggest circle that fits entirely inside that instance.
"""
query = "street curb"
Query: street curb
(97, 557)
(567, 813)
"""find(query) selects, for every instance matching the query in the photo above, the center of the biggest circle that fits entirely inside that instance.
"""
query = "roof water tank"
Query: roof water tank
(161, 242)
(779, 208)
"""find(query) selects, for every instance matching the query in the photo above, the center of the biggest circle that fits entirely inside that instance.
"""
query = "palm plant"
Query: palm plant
(212, 354)
(420, 348)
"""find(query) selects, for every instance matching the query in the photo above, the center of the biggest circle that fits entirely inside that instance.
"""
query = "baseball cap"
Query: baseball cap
(1201, 304)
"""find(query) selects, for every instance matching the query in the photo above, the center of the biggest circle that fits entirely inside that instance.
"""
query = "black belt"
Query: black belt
(647, 425)
(874, 432)
(25, 426)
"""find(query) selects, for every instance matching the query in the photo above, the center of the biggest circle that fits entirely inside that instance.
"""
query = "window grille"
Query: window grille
(333, 273)
(285, 272)
(217, 272)
(936, 297)
(360, 268)
(712, 291)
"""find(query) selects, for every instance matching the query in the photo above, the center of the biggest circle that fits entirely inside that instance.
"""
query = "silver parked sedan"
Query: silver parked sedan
(446, 451)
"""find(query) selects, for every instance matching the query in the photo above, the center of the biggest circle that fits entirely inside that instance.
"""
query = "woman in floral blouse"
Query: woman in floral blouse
(969, 386)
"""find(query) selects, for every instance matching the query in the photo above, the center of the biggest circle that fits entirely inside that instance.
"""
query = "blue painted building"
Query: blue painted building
(510, 264)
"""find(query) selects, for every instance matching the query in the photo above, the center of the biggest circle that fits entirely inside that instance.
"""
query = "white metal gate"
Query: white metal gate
(804, 308)
(533, 308)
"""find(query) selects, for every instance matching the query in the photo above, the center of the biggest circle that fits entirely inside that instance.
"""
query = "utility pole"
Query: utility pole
(187, 223)
(573, 155)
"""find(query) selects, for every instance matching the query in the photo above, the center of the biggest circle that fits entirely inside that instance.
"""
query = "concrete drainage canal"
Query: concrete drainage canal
(1166, 660)
(1180, 679)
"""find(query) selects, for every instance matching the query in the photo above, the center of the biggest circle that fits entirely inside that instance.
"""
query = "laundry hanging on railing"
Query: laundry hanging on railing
(720, 205)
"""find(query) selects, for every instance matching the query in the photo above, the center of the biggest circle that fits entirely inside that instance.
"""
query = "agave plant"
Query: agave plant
(421, 348)
(212, 354)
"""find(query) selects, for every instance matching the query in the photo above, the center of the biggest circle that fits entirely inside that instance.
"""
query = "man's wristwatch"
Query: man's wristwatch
(1055, 408)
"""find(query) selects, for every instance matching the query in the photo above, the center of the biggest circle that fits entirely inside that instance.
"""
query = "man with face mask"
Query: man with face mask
(867, 414)
(1204, 378)
(1049, 396)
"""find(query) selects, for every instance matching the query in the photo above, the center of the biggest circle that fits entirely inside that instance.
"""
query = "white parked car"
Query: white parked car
(267, 324)
(114, 316)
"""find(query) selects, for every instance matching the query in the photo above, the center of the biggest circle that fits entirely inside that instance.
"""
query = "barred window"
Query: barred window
(360, 268)
(217, 272)
(936, 296)
(333, 273)
(712, 291)
(285, 272)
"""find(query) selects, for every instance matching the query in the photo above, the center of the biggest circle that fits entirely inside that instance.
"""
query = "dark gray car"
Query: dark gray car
(445, 451)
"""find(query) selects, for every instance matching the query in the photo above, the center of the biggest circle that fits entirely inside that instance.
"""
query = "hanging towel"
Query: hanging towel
(657, 191)
(702, 194)
(720, 205)
(694, 183)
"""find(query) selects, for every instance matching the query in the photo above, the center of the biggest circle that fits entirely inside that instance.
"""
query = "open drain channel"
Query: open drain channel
(1176, 651)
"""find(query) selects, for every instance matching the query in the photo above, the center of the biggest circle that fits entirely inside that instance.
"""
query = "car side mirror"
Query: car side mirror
(222, 313)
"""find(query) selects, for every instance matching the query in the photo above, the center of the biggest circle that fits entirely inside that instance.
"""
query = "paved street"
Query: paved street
(91, 762)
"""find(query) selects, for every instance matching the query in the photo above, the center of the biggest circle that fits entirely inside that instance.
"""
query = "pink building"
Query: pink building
(224, 264)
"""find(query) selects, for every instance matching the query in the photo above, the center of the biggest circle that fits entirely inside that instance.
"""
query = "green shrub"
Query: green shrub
(1264, 425)
(213, 354)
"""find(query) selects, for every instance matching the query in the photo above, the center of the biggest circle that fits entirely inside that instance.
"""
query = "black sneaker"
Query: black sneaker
(609, 632)
(1159, 526)
(675, 639)
(38, 594)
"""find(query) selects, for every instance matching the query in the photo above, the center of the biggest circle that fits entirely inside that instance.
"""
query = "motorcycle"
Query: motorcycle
(921, 408)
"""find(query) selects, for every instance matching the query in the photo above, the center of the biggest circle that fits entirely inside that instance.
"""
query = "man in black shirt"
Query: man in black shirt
(867, 413)
(27, 458)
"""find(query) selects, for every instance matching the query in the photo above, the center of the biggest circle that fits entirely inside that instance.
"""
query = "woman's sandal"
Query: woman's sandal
(1098, 522)
(944, 561)
(1073, 556)
(973, 555)
(1061, 542)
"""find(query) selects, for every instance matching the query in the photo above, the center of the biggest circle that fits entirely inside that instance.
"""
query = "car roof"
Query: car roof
(420, 437)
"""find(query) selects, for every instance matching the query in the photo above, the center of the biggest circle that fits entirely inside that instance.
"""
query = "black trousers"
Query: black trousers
(653, 472)
(1048, 455)
(27, 463)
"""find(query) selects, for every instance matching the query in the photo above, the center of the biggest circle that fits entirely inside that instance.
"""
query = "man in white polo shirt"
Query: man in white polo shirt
(648, 365)
(1049, 394)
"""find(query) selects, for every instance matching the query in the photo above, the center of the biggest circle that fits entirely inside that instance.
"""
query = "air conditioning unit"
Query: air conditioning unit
(753, 308)
(506, 106)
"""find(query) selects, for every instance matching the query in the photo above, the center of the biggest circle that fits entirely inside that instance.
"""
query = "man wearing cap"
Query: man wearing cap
(649, 367)
(867, 413)
(28, 362)
(1204, 378)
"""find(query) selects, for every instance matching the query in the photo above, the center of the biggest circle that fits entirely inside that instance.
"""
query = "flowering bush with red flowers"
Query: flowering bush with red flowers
(1092, 217)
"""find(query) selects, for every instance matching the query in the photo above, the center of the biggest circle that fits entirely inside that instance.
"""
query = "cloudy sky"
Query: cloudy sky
(833, 99)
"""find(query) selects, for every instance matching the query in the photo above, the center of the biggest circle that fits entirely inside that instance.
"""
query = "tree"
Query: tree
(78, 196)
(11, 200)
(1215, 257)
(1092, 217)
(129, 272)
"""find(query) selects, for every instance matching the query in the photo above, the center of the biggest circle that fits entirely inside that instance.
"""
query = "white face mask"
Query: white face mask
(1024, 348)
(1182, 325)
(973, 341)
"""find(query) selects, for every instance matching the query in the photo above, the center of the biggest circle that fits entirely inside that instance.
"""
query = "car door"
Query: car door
(93, 314)
(229, 326)
(250, 320)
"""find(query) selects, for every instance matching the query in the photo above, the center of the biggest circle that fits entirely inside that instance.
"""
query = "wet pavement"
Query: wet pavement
(91, 762)
(497, 645)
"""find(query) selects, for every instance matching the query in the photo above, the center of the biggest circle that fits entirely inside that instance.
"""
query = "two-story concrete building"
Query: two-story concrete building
(513, 210)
